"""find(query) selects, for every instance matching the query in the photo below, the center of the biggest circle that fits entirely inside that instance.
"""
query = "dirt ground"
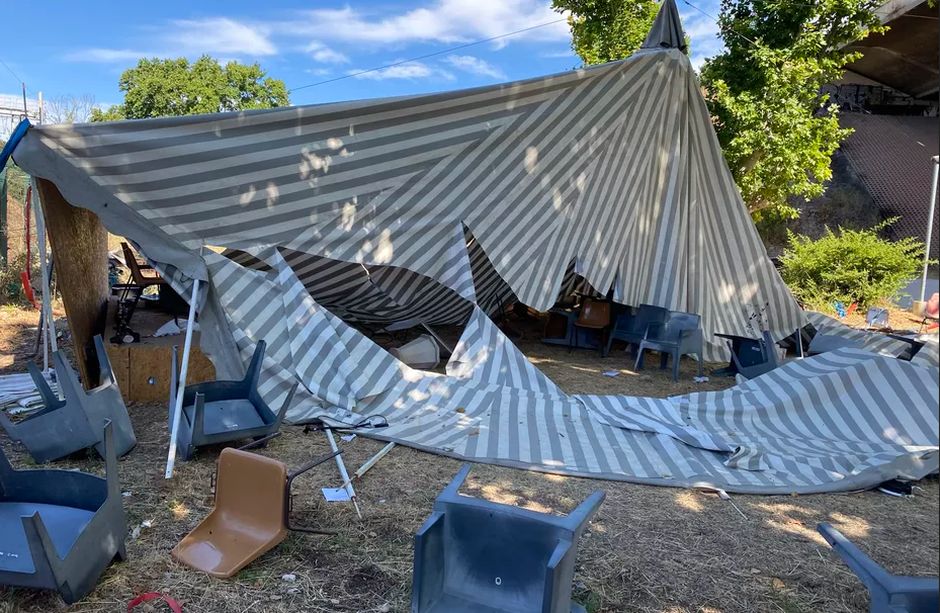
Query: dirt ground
(648, 549)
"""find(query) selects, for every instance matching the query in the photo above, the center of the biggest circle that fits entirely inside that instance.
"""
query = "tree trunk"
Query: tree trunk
(80, 250)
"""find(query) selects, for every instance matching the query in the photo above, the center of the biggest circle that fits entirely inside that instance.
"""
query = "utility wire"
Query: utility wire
(11, 71)
(427, 55)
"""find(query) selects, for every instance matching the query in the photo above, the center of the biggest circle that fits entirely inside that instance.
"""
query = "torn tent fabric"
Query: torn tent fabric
(438, 207)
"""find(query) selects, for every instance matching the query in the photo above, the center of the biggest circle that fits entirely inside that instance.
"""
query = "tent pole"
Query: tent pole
(933, 202)
(178, 405)
(369, 464)
(48, 323)
(342, 471)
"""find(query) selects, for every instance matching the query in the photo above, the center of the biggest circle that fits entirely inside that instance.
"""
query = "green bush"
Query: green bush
(11, 287)
(850, 266)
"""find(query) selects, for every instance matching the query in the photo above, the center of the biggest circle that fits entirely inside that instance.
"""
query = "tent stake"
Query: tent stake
(342, 471)
(178, 405)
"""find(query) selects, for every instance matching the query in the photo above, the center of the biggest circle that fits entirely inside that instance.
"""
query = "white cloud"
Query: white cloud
(703, 36)
(105, 56)
(444, 21)
(407, 70)
(220, 35)
(324, 54)
(475, 65)
(190, 37)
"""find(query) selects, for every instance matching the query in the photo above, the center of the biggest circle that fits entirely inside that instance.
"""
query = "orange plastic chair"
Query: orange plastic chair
(251, 514)
(594, 315)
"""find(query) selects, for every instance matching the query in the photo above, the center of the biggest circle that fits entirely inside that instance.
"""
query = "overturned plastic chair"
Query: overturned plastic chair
(218, 412)
(473, 555)
(889, 593)
(61, 528)
(63, 427)
(251, 515)
(680, 335)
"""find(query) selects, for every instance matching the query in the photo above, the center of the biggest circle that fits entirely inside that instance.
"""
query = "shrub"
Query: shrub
(11, 287)
(850, 266)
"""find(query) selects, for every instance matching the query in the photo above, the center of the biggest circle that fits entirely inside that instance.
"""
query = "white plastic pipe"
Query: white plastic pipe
(369, 464)
(932, 209)
(48, 324)
(181, 385)
(347, 482)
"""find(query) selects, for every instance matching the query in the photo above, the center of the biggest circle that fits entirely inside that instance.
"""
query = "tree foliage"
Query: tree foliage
(162, 87)
(607, 30)
(777, 130)
(850, 266)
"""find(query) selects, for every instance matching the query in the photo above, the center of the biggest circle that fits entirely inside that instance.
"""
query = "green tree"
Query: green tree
(162, 87)
(607, 30)
(777, 130)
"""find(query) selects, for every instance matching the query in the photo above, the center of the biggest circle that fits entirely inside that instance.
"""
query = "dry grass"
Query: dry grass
(648, 549)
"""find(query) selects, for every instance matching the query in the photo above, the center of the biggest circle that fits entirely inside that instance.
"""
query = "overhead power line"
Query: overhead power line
(427, 55)
(11, 71)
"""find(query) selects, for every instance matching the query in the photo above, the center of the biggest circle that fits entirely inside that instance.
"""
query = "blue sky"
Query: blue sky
(82, 47)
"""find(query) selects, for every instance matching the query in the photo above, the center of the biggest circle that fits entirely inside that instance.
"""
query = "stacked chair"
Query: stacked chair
(889, 593)
(251, 515)
(473, 555)
(630, 326)
(679, 335)
(61, 528)
(65, 426)
(218, 412)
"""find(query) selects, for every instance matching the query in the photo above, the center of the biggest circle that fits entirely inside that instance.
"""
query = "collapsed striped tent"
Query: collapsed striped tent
(439, 208)
(612, 170)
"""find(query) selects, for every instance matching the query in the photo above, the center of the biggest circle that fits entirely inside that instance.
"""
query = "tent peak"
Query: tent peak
(666, 31)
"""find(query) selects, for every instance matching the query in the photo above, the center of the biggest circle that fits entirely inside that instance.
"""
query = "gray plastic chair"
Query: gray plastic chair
(630, 326)
(472, 555)
(60, 528)
(218, 412)
(680, 335)
(889, 593)
(63, 427)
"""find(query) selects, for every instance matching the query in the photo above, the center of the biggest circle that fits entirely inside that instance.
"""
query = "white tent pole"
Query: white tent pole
(48, 324)
(181, 386)
(932, 208)
(369, 464)
(342, 471)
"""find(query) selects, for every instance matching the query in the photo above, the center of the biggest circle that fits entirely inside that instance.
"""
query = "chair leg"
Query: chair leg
(638, 362)
(701, 370)
(675, 365)
(663, 360)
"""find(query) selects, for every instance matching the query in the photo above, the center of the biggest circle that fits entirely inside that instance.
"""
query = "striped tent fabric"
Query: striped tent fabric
(869, 340)
(818, 424)
(440, 208)
(615, 168)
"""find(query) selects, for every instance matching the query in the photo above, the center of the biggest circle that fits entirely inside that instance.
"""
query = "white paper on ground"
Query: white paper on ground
(348, 437)
(335, 494)
(611, 373)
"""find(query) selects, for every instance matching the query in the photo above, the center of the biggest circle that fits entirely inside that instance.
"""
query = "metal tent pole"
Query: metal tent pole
(181, 390)
(932, 209)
